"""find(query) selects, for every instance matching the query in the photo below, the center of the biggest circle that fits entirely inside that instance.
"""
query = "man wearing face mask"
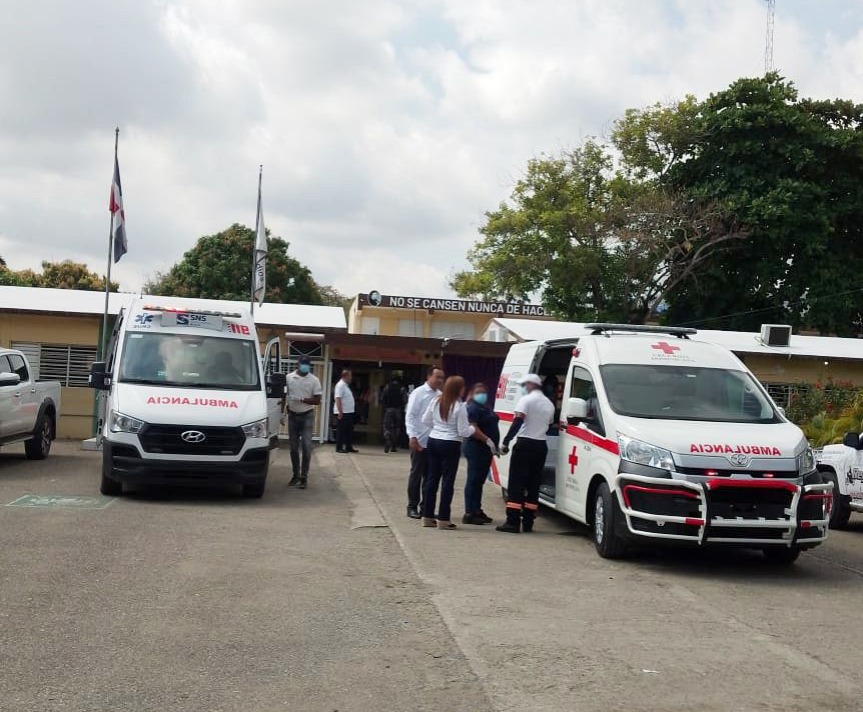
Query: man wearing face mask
(533, 414)
(304, 393)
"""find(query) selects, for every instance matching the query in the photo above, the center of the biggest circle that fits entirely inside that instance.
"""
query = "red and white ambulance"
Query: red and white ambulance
(663, 437)
(186, 398)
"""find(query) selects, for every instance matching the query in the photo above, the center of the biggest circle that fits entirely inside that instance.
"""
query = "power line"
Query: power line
(769, 309)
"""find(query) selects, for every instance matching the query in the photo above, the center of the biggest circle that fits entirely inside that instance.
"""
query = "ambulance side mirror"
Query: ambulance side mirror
(276, 385)
(99, 378)
(576, 411)
(852, 440)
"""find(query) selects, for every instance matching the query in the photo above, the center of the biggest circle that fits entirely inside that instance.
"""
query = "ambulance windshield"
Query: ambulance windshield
(683, 393)
(191, 361)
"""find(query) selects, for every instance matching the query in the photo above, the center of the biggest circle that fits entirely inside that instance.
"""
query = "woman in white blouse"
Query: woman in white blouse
(447, 417)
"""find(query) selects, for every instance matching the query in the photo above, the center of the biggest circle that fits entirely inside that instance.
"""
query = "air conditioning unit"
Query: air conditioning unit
(775, 335)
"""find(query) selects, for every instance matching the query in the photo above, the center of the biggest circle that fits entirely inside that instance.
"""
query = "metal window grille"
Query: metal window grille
(68, 364)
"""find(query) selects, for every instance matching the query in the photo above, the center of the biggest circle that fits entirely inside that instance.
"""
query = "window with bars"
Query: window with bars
(68, 364)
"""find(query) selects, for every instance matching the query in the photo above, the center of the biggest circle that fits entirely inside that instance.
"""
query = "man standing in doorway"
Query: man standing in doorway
(393, 401)
(418, 433)
(304, 393)
(344, 408)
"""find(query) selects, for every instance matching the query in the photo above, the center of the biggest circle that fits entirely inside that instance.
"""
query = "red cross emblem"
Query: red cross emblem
(573, 460)
(665, 347)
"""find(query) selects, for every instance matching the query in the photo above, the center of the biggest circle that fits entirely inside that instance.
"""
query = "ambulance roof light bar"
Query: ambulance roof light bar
(175, 310)
(678, 331)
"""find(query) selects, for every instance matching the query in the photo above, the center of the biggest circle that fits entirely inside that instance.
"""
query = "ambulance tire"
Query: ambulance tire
(255, 491)
(606, 512)
(781, 555)
(841, 512)
(109, 487)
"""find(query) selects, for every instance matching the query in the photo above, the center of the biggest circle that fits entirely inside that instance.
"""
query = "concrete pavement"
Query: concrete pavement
(331, 599)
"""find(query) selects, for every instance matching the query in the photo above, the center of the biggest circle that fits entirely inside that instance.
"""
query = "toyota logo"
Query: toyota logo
(739, 459)
(193, 436)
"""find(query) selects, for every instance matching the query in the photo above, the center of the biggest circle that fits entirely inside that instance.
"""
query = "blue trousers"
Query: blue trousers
(444, 456)
(478, 463)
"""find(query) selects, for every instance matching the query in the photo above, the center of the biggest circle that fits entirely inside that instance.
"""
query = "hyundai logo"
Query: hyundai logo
(740, 459)
(193, 436)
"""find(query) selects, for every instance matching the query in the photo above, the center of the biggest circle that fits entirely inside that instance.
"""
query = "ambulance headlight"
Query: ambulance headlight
(642, 453)
(120, 423)
(806, 461)
(258, 429)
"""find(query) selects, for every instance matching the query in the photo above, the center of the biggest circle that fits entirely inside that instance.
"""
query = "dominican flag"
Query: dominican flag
(260, 255)
(118, 217)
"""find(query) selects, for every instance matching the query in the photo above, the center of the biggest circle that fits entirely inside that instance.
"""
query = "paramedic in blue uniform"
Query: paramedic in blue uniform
(479, 455)
(533, 414)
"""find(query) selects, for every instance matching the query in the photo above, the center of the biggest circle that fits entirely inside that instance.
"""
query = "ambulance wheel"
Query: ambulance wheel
(608, 543)
(254, 491)
(841, 512)
(110, 488)
(781, 555)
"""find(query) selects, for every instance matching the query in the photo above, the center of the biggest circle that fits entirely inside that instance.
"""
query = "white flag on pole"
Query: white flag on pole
(260, 254)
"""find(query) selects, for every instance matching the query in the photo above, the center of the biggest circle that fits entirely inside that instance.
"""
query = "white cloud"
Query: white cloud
(385, 127)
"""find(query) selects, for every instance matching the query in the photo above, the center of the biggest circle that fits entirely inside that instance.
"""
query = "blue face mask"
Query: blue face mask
(480, 398)
(305, 368)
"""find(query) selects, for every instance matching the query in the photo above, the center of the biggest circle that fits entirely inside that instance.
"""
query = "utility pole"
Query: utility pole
(768, 45)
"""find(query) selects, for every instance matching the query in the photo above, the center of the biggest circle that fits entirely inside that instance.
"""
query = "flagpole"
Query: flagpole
(254, 241)
(104, 345)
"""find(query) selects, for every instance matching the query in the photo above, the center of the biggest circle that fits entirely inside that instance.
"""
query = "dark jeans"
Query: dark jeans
(525, 475)
(345, 432)
(416, 479)
(442, 468)
(392, 425)
(300, 427)
(478, 463)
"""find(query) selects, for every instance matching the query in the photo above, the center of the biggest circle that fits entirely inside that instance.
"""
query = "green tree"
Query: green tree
(789, 170)
(596, 243)
(66, 274)
(220, 267)
(71, 275)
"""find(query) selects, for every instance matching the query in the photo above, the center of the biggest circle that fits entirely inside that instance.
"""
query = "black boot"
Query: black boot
(512, 525)
(527, 517)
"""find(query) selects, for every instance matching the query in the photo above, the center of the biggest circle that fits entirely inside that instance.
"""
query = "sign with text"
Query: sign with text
(463, 306)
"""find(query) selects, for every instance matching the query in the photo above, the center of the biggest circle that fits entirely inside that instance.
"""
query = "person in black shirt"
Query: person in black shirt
(479, 455)
(393, 401)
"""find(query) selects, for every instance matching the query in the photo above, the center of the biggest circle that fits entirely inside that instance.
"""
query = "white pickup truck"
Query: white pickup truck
(843, 465)
(28, 408)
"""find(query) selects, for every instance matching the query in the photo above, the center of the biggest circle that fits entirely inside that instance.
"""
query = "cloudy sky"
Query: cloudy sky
(386, 127)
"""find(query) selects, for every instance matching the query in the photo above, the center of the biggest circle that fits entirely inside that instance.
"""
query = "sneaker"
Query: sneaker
(413, 513)
(302, 483)
(294, 481)
(482, 515)
(473, 519)
(386, 448)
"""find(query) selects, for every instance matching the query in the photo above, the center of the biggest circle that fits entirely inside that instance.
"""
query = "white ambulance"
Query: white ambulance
(186, 398)
(661, 437)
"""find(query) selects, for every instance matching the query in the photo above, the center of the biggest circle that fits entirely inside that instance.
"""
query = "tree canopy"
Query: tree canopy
(219, 267)
(733, 211)
(58, 275)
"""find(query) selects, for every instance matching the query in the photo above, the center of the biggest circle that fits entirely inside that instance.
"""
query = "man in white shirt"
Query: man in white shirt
(418, 432)
(344, 407)
(533, 414)
(304, 393)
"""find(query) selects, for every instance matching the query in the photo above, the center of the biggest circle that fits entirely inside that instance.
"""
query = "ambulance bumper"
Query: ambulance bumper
(725, 511)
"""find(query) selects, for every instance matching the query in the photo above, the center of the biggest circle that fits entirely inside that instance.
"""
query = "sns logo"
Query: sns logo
(239, 329)
(191, 319)
(143, 321)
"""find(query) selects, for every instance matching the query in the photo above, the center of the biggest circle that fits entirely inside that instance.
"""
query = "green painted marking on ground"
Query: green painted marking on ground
(62, 501)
